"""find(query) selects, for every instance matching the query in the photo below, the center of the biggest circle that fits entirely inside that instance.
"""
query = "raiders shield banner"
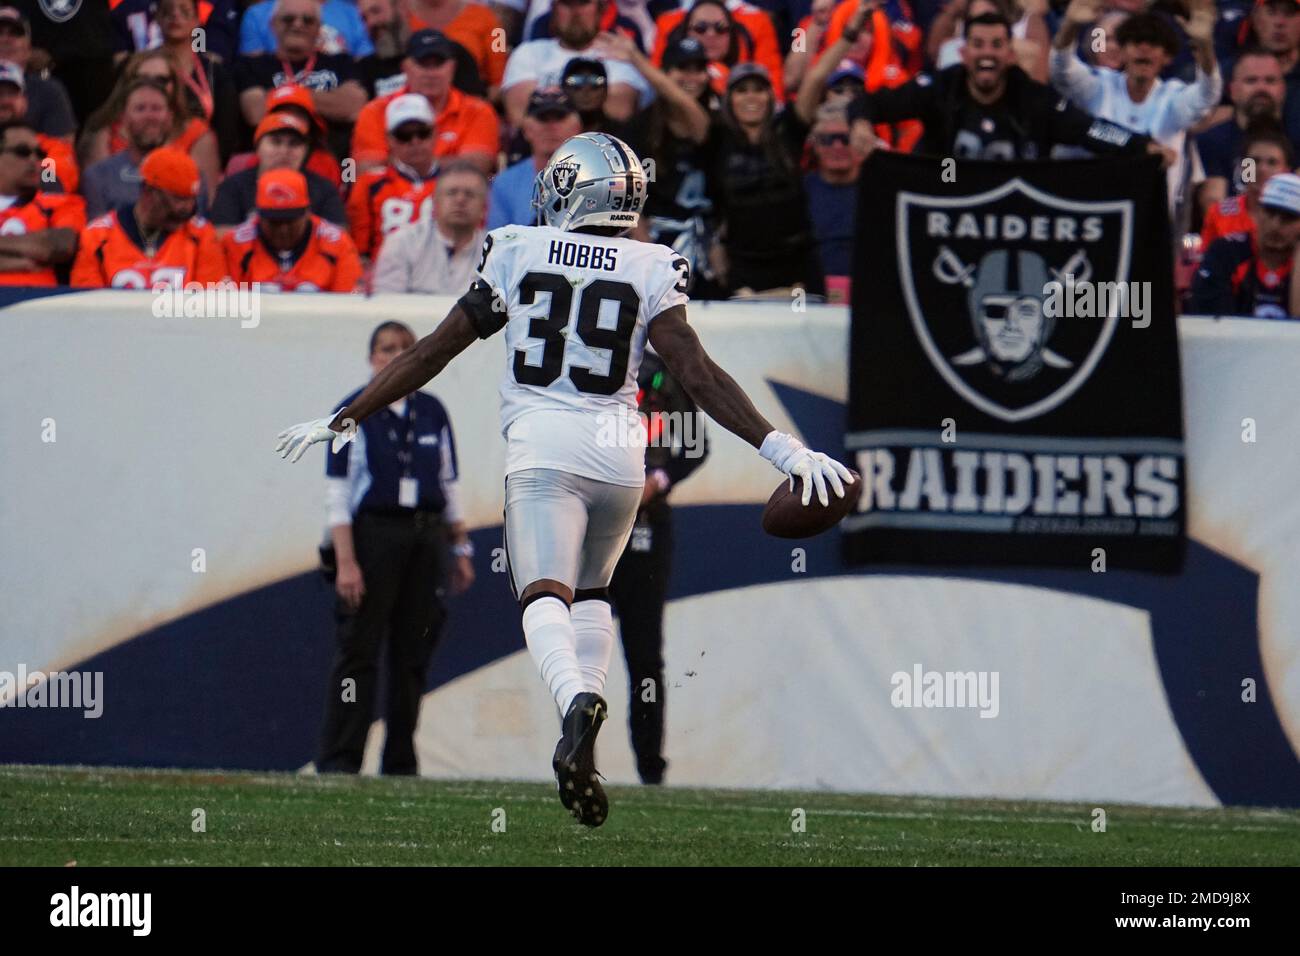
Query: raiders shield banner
(1014, 392)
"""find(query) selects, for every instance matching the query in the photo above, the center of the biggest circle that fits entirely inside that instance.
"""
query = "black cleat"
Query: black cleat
(575, 761)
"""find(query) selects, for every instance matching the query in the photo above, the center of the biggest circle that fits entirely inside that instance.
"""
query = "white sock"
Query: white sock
(548, 630)
(593, 623)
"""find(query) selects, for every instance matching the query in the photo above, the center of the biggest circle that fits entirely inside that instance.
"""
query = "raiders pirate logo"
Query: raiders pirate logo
(982, 278)
(563, 177)
(60, 11)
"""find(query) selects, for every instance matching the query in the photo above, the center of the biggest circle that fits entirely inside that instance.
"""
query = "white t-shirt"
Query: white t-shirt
(578, 311)
(543, 62)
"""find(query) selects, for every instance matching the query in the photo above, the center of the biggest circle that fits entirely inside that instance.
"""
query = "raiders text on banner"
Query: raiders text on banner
(1014, 392)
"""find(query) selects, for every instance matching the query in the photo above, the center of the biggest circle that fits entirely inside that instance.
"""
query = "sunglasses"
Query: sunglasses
(413, 133)
(585, 81)
(306, 19)
(25, 152)
(832, 139)
(717, 27)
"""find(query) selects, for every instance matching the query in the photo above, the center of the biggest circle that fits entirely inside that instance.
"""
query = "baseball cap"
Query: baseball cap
(293, 95)
(846, 69)
(14, 15)
(407, 108)
(550, 99)
(172, 170)
(274, 122)
(744, 71)
(425, 43)
(684, 52)
(282, 194)
(583, 64)
(12, 73)
(1282, 192)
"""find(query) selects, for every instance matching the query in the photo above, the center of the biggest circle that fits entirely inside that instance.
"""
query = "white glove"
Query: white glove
(791, 456)
(295, 441)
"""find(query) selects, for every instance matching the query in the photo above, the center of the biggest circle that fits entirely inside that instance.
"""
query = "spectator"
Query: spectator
(1136, 97)
(146, 123)
(48, 108)
(1257, 91)
(629, 18)
(731, 33)
(1269, 153)
(155, 241)
(1250, 276)
(576, 24)
(205, 78)
(75, 40)
(14, 109)
(1029, 33)
(551, 118)
(757, 191)
(1106, 52)
(390, 31)
(474, 26)
(342, 29)
(38, 230)
(987, 108)
(137, 26)
(331, 78)
(1273, 26)
(297, 101)
(809, 37)
(385, 199)
(399, 540)
(905, 36)
(587, 83)
(466, 126)
(104, 133)
(438, 255)
(672, 133)
(832, 190)
(842, 77)
(725, 39)
(287, 248)
(282, 143)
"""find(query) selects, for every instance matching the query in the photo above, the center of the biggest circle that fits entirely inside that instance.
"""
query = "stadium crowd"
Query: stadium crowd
(341, 146)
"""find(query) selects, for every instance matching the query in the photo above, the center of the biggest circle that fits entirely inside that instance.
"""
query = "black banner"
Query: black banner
(1014, 388)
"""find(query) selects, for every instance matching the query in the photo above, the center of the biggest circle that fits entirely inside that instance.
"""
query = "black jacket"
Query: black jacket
(1035, 115)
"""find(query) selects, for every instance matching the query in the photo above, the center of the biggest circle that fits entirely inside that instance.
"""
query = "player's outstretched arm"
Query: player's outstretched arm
(400, 378)
(726, 402)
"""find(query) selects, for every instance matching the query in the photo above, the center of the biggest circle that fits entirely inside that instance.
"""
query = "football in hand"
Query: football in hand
(786, 516)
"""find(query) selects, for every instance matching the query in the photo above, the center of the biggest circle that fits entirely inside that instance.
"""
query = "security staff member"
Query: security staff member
(676, 446)
(392, 502)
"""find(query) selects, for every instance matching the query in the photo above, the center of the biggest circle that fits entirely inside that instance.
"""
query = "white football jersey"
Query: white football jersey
(577, 312)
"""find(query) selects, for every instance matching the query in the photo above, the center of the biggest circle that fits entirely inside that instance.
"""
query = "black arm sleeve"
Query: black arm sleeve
(915, 99)
(486, 311)
(1073, 127)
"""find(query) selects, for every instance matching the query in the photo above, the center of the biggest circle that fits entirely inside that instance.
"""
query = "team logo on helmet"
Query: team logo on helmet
(977, 273)
(564, 176)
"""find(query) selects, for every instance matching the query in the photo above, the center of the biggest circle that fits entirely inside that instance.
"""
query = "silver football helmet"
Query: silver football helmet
(593, 179)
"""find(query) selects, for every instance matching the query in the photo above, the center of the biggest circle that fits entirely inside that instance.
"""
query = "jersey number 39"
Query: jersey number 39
(552, 327)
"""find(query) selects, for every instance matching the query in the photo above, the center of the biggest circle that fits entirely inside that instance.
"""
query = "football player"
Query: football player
(578, 302)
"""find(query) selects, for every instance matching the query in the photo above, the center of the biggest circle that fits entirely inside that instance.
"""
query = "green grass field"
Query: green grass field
(99, 817)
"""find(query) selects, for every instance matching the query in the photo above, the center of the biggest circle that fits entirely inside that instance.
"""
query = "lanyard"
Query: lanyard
(197, 80)
(291, 76)
(404, 454)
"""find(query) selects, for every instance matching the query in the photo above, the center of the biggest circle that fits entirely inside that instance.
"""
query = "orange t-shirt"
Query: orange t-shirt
(41, 211)
(472, 28)
(109, 258)
(1225, 218)
(906, 33)
(755, 20)
(466, 124)
(382, 201)
(65, 161)
(328, 263)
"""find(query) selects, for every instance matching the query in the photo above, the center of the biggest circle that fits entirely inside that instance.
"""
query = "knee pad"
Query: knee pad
(537, 595)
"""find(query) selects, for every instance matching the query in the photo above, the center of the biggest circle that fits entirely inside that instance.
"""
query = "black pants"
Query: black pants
(639, 589)
(404, 563)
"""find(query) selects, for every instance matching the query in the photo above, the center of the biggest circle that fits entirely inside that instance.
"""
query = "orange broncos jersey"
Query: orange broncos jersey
(326, 262)
(41, 211)
(382, 201)
(110, 255)
(1225, 218)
